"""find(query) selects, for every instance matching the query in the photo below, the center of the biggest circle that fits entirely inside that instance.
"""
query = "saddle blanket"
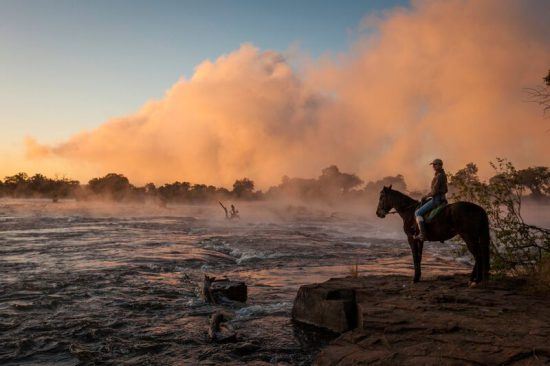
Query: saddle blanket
(433, 213)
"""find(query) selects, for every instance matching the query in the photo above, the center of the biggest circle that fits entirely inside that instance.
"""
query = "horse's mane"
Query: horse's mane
(403, 196)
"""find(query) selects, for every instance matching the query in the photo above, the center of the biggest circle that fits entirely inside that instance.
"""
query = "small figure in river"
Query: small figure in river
(234, 213)
(433, 199)
(230, 215)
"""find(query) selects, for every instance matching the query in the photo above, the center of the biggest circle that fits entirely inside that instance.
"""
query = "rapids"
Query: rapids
(85, 283)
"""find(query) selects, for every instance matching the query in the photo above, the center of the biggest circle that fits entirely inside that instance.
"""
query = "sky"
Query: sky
(56, 57)
(214, 91)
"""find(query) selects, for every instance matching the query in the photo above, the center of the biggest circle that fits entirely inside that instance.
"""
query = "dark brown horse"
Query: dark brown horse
(460, 218)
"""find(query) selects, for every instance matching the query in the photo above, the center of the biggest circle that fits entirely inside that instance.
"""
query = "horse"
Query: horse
(465, 219)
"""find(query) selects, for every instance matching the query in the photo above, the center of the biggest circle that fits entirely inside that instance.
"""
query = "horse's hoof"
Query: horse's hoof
(472, 284)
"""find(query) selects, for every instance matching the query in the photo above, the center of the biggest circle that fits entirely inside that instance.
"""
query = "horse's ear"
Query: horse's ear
(389, 186)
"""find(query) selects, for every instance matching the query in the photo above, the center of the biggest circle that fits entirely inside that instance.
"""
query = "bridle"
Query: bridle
(389, 212)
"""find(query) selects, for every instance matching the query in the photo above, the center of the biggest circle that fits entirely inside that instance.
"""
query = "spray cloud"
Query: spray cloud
(439, 79)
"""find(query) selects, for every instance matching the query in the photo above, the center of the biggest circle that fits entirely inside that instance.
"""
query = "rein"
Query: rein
(406, 208)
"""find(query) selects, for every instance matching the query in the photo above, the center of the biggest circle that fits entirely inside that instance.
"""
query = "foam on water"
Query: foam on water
(267, 309)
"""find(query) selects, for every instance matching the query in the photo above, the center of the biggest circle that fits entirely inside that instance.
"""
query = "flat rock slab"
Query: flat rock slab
(439, 321)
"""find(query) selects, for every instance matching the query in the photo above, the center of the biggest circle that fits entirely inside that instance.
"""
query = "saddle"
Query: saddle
(428, 217)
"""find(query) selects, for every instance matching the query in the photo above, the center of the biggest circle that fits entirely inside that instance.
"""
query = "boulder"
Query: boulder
(217, 291)
(330, 305)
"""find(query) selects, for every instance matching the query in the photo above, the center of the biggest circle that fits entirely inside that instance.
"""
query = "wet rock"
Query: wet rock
(217, 291)
(330, 305)
(219, 331)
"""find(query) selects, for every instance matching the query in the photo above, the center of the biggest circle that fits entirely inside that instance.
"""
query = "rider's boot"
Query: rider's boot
(421, 229)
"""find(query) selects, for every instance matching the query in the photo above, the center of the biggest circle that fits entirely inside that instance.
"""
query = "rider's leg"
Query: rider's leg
(419, 216)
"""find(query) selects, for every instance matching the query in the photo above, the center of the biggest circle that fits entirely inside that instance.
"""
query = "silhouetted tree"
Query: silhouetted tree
(114, 186)
(150, 189)
(332, 179)
(536, 179)
(223, 192)
(465, 182)
(18, 185)
(177, 191)
(541, 94)
(21, 185)
(295, 187)
(515, 245)
(243, 188)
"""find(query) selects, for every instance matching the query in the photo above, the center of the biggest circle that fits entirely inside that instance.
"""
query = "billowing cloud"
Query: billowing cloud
(439, 79)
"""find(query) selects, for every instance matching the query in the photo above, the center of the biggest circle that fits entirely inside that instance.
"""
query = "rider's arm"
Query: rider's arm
(437, 187)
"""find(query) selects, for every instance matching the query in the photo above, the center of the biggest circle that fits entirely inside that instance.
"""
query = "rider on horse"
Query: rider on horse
(435, 197)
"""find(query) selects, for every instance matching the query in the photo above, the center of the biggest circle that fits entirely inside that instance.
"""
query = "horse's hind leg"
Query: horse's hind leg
(486, 258)
(473, 275)
(473, 247)
(481, 252)
(485, 250)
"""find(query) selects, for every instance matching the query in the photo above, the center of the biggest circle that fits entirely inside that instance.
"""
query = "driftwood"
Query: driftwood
(217, 291)
(225, 210)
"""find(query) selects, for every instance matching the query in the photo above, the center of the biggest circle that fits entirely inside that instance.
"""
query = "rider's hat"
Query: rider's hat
(437, 162)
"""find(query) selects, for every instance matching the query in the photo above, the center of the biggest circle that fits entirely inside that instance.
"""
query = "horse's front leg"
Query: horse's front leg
(416, 249)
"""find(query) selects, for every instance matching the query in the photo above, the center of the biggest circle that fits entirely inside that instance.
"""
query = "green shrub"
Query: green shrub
(516, 246)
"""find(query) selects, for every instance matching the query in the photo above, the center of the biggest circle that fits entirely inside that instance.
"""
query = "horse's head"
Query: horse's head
(385, 203)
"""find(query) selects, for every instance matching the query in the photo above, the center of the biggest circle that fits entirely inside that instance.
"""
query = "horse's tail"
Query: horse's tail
(485, 246)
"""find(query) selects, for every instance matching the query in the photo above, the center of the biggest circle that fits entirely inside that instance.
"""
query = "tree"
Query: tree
(243, 188)
(178, 191)
(65, 187)
(17, 185)
(114, 186)
(42, 185)
(21, 185)
(515, 245)
(541, 94)
(17, 179)
(536, 179)
(150, 189)
(332, 179)
(465, 183)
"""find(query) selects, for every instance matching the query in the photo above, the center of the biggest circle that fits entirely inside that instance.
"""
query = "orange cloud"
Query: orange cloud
(442, 79)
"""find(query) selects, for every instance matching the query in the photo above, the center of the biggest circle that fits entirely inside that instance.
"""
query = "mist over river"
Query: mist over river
(90, 283)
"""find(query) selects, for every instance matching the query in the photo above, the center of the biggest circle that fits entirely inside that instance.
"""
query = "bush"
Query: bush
(516, 246)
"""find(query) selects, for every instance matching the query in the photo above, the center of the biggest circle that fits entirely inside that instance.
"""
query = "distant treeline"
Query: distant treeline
(331, 186)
